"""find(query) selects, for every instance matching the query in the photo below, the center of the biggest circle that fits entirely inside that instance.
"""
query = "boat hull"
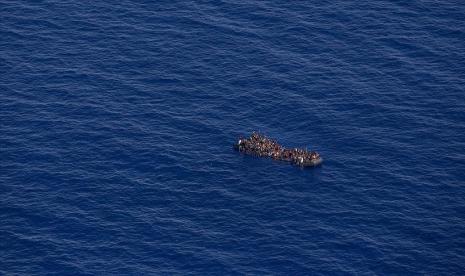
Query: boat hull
(261, 146)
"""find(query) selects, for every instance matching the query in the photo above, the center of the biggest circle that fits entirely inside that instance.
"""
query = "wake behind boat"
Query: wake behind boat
(260, 145)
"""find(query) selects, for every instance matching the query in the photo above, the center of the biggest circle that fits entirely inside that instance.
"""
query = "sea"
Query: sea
(118, 119)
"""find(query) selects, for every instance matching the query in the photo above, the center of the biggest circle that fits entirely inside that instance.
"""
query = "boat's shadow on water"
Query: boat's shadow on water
(313, 173)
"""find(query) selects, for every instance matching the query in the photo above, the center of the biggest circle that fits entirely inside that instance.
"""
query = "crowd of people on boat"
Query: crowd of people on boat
(259, 145)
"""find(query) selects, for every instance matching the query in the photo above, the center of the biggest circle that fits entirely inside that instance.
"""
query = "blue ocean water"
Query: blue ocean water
(117, 120)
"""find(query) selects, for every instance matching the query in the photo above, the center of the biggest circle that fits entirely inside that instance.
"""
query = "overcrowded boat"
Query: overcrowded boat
(260, 145)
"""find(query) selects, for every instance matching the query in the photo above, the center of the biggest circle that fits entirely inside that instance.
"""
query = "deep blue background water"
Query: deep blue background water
(117, 121)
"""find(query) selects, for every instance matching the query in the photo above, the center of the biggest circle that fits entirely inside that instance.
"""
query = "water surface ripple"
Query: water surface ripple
(117, 121)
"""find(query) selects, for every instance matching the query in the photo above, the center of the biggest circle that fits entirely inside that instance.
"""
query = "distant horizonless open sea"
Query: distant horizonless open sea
(118, 119)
